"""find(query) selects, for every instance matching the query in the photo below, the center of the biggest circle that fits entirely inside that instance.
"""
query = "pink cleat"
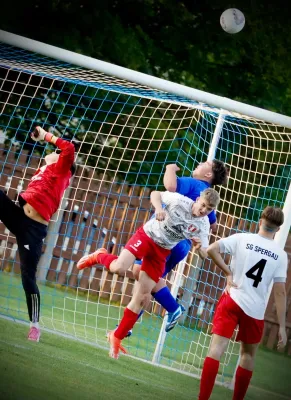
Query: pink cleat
(34, 334)
(91, 259)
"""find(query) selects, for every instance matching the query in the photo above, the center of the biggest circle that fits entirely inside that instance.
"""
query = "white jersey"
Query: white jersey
(256, 263)
(179, 224)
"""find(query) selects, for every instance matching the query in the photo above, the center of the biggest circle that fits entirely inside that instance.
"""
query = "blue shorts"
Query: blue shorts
(178, 253)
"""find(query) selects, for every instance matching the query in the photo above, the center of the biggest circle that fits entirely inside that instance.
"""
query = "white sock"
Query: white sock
(34, 324)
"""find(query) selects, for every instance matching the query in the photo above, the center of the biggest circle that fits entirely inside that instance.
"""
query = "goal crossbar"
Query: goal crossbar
(144, 79)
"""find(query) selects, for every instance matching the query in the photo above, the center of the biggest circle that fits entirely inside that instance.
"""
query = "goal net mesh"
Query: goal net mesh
(126, 135)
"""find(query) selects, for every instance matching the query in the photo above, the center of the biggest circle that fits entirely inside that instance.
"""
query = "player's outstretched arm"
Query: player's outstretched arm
(170, 177)
(213, 252)
(280, 301)
(67, 155)
(156, 200)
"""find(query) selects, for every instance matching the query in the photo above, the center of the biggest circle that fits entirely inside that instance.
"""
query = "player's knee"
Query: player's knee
(183, 248)
(28, 283)
(178, 253)
(247, 357)
(117, 267)
(247, 361)
(27, 275)
(136, 271)
(215, 352)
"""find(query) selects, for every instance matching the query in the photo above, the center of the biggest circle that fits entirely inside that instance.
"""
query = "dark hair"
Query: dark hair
(273, 216)
(220, 173)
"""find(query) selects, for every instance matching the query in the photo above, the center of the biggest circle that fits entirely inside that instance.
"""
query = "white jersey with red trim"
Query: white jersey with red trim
(179, 224)
(257, 262)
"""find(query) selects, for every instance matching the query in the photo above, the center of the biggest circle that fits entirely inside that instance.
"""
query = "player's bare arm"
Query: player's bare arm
(197, 247)
(156, 201)
(280, 301)
(37, 135)
(170, 177)
(214, 228)
(213, 252)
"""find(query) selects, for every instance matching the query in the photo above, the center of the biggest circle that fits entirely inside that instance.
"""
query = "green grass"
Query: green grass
(43, 370)
(75, 314)
(59, 368)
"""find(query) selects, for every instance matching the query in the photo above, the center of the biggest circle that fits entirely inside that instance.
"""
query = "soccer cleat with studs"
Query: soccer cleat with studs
(91, 259)
(34, 334)
(173, 318)
(115, 345)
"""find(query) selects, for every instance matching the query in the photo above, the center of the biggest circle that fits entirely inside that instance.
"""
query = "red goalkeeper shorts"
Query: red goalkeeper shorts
(228, 315)
(153, 256)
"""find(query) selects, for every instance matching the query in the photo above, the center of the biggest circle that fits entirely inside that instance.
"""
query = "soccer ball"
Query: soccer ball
(232, 20)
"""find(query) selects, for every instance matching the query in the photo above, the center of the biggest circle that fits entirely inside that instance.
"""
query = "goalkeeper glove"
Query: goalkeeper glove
(40, 134)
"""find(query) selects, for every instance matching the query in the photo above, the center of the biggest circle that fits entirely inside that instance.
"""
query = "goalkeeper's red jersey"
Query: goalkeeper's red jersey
(46, 188)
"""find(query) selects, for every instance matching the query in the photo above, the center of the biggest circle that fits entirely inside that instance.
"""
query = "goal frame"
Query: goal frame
(223, 107)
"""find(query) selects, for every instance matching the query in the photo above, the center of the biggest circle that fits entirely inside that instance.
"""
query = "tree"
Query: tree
(179, 40)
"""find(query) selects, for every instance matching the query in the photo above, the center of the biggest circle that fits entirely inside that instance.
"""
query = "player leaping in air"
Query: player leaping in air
(29, 222)
(207, 174)
(153, 243)
(257, 264)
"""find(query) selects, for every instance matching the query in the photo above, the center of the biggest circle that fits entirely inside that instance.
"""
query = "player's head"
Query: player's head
(208, 201)
(53, 157)
(271, 219)
(214, 172)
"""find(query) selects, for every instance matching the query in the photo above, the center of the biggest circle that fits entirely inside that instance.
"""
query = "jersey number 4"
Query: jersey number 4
(259, 266)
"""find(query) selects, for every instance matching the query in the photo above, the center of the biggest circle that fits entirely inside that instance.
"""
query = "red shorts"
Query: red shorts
(228, 315)
(153, 256)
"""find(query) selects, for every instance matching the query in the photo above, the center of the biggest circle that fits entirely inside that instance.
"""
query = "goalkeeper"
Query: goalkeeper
(205, 175)
(29, 222)
(181, 218)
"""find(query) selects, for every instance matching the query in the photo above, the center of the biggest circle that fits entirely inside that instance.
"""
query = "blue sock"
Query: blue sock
(140, 314)
(165, 298)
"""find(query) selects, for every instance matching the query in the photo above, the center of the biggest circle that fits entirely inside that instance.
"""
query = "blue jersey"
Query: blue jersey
(192, 187)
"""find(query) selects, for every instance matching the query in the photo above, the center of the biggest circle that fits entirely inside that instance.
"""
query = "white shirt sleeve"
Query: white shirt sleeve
(280, 273)
(204, 234)
(204, 240)
(229, 244)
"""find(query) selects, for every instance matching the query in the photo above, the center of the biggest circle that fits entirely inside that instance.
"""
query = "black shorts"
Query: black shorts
(29, 233)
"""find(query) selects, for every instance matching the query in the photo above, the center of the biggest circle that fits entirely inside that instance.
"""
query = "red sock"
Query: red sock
(209, 372)
(242, 380)
(127, 322)
(106, 259)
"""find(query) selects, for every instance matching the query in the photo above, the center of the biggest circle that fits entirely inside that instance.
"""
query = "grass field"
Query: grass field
(60, 368)
(74, 314)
